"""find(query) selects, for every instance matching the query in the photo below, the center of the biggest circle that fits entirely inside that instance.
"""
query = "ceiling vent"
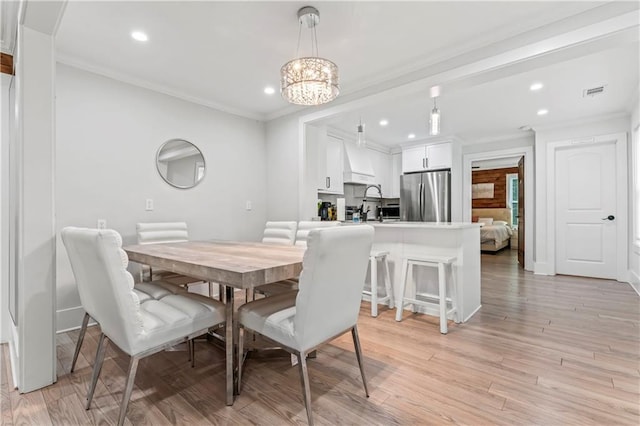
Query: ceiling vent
(593, 91)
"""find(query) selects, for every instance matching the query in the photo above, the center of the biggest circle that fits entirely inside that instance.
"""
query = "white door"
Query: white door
(586, 222)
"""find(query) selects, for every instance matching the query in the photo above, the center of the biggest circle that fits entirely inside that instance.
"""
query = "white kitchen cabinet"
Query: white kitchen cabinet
(394, 177)
(426, 157)
(330, 165)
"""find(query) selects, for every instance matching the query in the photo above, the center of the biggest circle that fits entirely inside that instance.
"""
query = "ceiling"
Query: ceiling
(223, 54)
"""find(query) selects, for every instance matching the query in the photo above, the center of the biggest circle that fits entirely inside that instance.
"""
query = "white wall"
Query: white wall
(5, 319)
(634, 195)
(615, 124)
(108, 134)
(283, 169)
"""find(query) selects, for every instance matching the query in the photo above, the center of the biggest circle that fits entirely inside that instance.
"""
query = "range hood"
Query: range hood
(357, 165)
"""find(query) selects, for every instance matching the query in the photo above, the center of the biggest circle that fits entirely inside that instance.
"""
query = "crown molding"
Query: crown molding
(582, 121)
(76, 63)
(351, 138)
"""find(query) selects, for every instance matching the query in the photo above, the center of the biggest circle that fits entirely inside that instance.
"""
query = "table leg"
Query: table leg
(229, 332)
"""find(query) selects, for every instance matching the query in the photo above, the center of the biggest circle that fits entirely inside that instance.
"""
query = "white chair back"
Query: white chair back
(104, 284)
(305, 226)
(281, 232)
(331, 283)
(162, 232)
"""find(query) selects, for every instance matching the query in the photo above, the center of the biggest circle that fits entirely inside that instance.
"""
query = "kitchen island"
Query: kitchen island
(456, 239)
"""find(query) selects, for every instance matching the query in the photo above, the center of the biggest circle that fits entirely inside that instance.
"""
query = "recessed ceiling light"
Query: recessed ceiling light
(139, 35)
(269, 90)
(411, 135)
(543, 111)
(536, 86)
(384, 122)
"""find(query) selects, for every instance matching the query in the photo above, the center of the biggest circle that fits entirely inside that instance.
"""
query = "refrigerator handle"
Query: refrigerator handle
(421, 197)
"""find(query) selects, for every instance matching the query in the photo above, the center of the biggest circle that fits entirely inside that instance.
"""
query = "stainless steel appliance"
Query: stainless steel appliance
(390, 211)
(426, 197)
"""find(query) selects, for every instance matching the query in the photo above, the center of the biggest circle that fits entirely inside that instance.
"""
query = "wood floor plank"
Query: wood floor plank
(68, 410)
(543, 350)
(6, 413)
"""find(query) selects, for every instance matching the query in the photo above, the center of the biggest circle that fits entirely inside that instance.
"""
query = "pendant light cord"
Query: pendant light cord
(299, 36)
(314, 38)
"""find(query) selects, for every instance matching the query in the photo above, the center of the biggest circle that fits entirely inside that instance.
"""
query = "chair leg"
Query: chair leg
(442, 295)
(126, 396)
(83, 330)
(374, 286)
(358, 348)
(97, 366)
(387, 282)
(211, 290)
(304, 379)
(403, 284)
(240, 355)
(192, 352)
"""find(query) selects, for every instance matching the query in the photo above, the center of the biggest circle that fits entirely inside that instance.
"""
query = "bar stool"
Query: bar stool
(440, 262)
(374, 257)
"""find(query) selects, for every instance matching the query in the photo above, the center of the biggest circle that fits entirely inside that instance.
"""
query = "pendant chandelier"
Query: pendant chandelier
(361, 142)
(434, 121)
(309, 80)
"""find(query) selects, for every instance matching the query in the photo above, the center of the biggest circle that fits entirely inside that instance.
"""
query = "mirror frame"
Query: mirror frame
(200, 169)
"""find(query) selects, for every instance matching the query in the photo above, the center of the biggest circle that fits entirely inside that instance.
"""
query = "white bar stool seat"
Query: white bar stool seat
(433, 261)
(374, 257)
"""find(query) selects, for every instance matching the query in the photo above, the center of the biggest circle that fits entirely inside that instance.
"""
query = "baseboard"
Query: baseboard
(635, 282)
(13, 356)
(70, 319)
(472, 314)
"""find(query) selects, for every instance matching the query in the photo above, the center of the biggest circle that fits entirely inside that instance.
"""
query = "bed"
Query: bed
(495, 232)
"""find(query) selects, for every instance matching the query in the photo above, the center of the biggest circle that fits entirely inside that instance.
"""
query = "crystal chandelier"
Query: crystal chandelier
(309, 80)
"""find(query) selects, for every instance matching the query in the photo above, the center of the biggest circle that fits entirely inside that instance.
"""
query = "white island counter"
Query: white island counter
(458, 239)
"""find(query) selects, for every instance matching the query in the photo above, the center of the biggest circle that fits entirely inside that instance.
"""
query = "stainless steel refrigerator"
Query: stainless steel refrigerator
(426, 196)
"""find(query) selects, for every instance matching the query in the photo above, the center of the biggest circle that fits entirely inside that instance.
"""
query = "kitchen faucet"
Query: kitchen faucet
(379, 188)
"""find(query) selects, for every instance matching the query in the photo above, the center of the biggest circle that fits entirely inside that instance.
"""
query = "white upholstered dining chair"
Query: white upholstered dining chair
(145, 291)
(165, 232)
(280, 232)
(138, 329)
(304, 226)
(301, 235)
(326, 305)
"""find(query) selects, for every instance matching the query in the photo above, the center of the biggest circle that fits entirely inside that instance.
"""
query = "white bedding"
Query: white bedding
(495, 233)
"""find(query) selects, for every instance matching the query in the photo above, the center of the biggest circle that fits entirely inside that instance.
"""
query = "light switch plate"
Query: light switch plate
(248, 206)
(149, 205)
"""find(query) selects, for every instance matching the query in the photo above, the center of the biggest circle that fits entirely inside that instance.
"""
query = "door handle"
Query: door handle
(610, 217)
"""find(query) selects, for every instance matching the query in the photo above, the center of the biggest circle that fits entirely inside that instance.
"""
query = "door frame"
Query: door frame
(620, 140)
(527, 153)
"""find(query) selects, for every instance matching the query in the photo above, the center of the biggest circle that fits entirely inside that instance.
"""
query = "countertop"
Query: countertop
(420, 225)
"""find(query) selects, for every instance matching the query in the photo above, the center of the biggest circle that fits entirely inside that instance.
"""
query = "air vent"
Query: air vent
(593, 91)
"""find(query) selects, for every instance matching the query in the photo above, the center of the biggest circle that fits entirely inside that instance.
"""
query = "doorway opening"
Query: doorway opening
(497, 203)
(523, 238)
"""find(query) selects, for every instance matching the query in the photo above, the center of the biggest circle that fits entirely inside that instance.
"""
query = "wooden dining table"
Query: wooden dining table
(241, 265)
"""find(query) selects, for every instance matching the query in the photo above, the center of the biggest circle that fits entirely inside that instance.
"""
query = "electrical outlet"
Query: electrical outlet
(102, 224)
(248, 206)
(149, 205)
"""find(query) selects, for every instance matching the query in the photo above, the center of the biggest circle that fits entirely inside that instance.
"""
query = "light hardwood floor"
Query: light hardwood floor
(542, 350)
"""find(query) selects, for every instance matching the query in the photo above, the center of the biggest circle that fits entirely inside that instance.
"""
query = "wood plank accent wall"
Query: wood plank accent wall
(6, 63)
(499, 179)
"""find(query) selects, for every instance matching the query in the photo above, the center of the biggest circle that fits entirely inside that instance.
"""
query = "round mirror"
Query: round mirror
(180, 163)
